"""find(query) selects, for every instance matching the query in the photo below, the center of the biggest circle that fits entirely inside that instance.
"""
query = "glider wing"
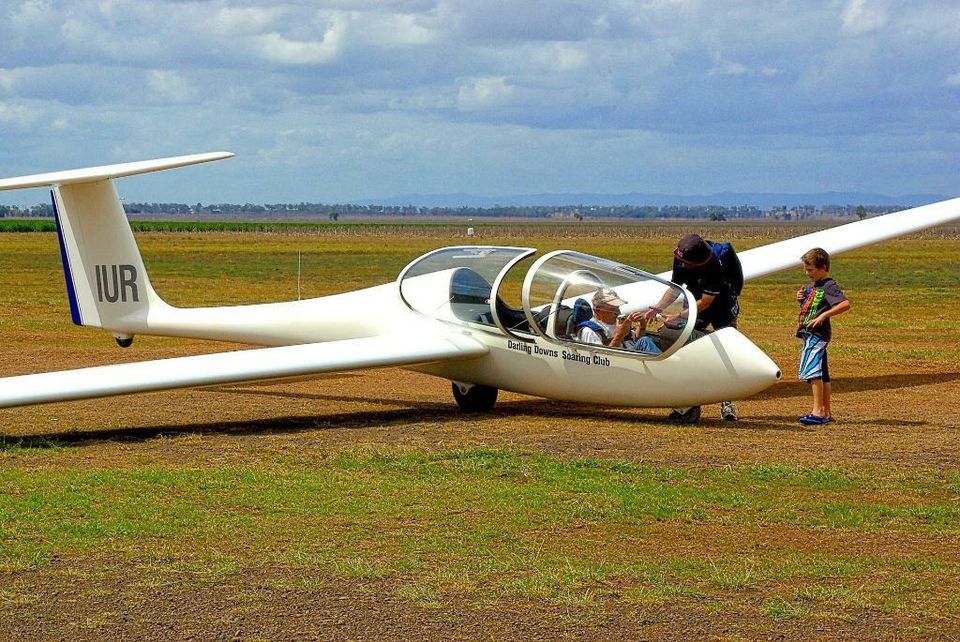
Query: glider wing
(233, 367)
(766, 259)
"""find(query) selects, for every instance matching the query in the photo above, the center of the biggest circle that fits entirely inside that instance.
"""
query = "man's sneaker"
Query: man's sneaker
(686, 416)
(814, 420)
(727, 411)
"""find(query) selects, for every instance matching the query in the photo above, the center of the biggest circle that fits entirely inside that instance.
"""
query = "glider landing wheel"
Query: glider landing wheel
(124, 341)
(685, 416)
(474, 397)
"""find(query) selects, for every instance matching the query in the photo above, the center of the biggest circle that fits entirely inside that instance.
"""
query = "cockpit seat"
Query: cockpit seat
(512, 318)
(469, 294)
(569, 318)
(470, 300)
(467, 286)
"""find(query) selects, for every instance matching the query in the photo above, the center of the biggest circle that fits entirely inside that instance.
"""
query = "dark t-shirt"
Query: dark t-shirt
(710, 278)
(817, 297)
(704, 279)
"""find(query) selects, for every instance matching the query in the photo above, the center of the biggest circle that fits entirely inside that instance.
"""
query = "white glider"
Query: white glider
(447, 315)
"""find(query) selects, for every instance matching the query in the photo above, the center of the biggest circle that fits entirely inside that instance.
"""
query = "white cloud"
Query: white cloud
(483, 93)
(8, 78)
(113, 9)
(863, 16)
(31, 14)
(953, 80)
(279, 49)
(730, 69)
(230, 21)
(167, 85)
(397, 30)
(287, 51)
(18, 115)
(562, 57)
(97, 42)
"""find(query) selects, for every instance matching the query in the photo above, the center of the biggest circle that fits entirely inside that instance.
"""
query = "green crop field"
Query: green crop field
(364, 505)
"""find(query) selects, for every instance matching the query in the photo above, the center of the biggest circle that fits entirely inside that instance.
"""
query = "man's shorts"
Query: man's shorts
(813, 358)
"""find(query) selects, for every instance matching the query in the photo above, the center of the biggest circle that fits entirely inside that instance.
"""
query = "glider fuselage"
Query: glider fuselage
(724, 365)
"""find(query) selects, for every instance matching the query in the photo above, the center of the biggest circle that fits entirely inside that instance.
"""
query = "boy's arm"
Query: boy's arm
(839, 308)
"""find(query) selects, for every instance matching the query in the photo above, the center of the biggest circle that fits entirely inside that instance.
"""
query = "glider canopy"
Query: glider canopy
(485, 288)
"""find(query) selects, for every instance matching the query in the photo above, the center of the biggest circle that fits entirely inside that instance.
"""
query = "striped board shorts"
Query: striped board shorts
(813, 358)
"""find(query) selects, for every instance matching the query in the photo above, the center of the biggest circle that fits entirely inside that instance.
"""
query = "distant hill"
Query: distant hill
(723, 199)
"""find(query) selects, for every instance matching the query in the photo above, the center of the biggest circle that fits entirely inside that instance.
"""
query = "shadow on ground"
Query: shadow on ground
(790, 389)
(405, 411)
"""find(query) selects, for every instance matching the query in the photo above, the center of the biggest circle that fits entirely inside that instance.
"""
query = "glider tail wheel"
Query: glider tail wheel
(474, 397)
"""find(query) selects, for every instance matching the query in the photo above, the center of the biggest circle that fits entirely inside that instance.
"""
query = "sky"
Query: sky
(362, 99)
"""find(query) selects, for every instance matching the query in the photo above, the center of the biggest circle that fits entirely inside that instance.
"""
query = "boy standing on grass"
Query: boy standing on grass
(821, 299)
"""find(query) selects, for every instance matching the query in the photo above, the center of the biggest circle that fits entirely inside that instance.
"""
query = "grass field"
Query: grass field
(363, 505)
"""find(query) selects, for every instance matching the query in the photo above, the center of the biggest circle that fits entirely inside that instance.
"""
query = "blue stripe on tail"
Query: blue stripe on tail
(67, 273)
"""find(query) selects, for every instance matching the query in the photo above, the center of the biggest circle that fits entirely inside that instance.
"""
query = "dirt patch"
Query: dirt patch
(275, 603)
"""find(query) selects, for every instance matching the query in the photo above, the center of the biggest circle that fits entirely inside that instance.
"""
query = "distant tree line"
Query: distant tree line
(43, 210)
(336, 210)
(573, 212)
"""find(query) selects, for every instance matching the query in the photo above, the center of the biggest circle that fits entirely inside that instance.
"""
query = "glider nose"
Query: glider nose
(749, 369)
(720, 366)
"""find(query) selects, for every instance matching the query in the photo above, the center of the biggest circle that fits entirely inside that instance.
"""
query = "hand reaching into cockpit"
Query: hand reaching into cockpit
(652, 313)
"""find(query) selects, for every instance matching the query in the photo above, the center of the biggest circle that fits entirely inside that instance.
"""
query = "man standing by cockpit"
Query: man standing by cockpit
(713, 275)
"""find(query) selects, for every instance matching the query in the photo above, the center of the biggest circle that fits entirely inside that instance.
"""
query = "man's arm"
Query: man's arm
(624, 326)
(668, 297)
(705, 302)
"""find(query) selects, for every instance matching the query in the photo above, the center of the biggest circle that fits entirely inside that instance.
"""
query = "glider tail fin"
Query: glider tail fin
(107, 283)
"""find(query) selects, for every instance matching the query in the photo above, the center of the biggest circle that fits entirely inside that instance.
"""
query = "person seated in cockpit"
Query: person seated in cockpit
(607, 327)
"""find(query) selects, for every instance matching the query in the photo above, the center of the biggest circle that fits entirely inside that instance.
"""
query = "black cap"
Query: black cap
(693, 250)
